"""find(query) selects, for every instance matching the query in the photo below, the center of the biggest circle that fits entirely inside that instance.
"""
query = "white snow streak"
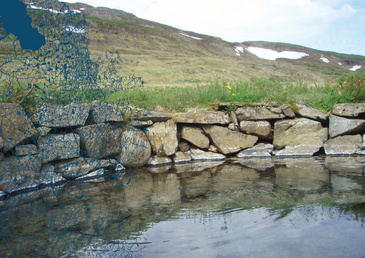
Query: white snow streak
(273, 55)
(325, 60)
(186, 35)
(239, 50)
(356, 67)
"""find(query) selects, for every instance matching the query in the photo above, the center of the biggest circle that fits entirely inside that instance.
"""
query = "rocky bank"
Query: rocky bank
(79, 141)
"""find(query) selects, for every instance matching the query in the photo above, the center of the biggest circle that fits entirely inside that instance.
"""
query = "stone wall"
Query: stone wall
(79, 140)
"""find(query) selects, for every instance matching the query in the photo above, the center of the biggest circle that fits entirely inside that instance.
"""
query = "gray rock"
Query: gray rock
(19, 173)
(163, 168)
(74, 168)
(119, 168)
(43, 131)
(201, 116)
(74, 114)
(181, 157)
(344, 145)
(195, 136)
(228, 141)
(49, 176)
(258, 113)
(163, 138)
(259, 150)
(15, 126)
(341, 126)
(1, 143)
(96, 173)
(349, 109)
(260, 128)
(287, 111)
(197, 154)
(301, 137)
(25, 150)
(183, 146)
(136, 149)
(59, 146)
(105, 112)
(156, 161)
(305, 111)
(141, 124)
(134, 113)
(100, 141)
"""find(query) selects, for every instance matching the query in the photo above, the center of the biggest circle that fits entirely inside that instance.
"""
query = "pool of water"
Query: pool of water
(308, 207)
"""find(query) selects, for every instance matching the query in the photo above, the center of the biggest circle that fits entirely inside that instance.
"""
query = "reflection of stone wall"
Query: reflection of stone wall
(80, 140)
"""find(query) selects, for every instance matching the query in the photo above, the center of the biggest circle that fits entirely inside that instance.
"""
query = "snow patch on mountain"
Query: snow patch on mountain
(186, 35)
(325, 60)
(273, 55)
(355, 68)
(239, 50)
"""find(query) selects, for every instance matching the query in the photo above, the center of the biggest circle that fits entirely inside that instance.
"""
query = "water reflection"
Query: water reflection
(257, 207)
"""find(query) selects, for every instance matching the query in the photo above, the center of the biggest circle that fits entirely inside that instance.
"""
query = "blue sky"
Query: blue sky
(332, 25)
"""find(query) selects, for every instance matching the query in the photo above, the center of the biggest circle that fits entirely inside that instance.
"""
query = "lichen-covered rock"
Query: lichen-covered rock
(299, 137)
(344, 145)
(195, 136)
(341, 126)
(259, 150)
(228, 141)
(78, 167)
(59, 146)
(18, 173)
(201, 116)
(100, 141)
(349, 109)
(74, 114)
(136, 149)
(25, 150)
(259, 113)
(163, 138)
(105, 112)
(15, 126)
(260, 128)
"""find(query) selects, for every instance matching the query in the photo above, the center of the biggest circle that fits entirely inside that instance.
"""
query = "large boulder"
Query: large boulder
(100, 141)
(15, 126)
(136, 149)
(341, 126)
(201, 116)
(228, 141)
(59, 146)
(301, 136)
(163, 138)
(349, 109)
(305, 111)
(344, 145)
(18, 173)
(260, 128)
(259, 113)
(195, 136)
(74, 114)
(74, 168)
(105, 112)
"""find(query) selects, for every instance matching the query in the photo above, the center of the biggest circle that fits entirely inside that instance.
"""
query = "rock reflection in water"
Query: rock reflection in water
(256, 207)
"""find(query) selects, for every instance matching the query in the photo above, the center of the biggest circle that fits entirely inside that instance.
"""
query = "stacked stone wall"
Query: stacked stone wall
(79, 140)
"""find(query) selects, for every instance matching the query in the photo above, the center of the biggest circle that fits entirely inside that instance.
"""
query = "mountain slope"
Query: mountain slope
(163, 54)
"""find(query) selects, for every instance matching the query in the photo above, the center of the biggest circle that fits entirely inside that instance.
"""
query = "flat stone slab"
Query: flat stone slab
(341, 126)
(201, 116)
(74, 114)
(349, 109)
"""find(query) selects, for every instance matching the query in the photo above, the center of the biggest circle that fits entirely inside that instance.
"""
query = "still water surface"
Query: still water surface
(309, 207)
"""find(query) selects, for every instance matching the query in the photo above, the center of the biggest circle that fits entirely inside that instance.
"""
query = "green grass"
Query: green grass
(173, 99)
